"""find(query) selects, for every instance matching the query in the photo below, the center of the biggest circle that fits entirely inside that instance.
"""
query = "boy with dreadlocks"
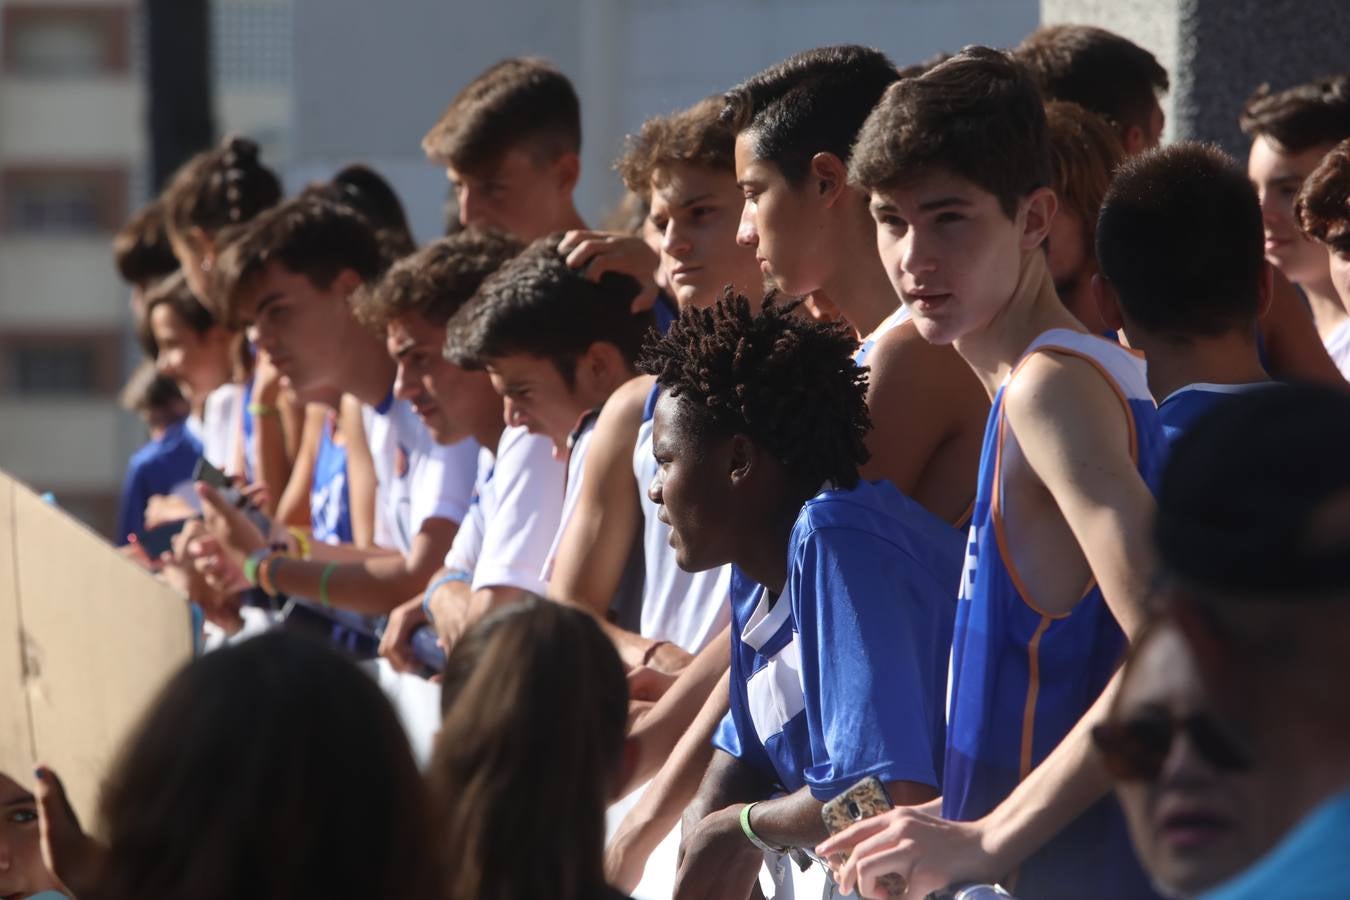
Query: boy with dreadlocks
(839, 647)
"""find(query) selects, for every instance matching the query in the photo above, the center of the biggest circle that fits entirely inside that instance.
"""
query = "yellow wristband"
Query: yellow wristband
(302, 543)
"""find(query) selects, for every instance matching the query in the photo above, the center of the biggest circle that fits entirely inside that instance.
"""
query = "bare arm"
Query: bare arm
(293, 507)
(274, 465)
(1294, 351)
(592, 553)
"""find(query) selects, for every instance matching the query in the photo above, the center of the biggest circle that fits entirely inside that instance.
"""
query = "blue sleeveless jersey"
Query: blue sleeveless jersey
(329, 502)
(1183, 407)
(1020, 680)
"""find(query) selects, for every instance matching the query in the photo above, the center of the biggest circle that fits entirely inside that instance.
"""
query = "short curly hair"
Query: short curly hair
(435, 281)
(787, 381)
(1323, 204)
(695, 135)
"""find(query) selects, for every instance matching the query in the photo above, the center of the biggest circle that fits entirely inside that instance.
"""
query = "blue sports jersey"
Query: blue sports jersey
(1020, 679)
(844, 674)
(899, 317)
(159, 467)
(329, 503)
(1182, 407)
(664, 311)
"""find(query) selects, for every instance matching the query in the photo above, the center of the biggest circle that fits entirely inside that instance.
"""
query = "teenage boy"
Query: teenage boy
(1183, 274)
(510, 142)
(1323, 208)
(291, 278)
(839, 647)
(1291, 131)
(1253, 535)
(795, 126)
(1058, 563)
(683, 162)
(1102, 72)
(555, 345)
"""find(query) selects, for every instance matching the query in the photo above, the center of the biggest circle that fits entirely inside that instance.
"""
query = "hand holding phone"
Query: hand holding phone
(864, 800)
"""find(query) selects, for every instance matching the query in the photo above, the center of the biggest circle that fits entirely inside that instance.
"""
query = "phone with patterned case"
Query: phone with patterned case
(864, 800)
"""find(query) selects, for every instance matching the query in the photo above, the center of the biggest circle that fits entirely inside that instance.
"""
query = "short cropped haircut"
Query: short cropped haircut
(538, 305)
(786, 381)
(366, 191)
(522, 101)
(435, 281)
(224, 186)
(307, 236)
(1181, 241)
(141, 247)
(1095, 68)
(813, 102)
(1084, 152)
(696, 135)
(175, 293)
(1323, 204)
(977, 115)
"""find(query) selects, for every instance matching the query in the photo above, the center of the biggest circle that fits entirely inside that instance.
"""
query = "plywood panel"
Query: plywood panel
(16, 743)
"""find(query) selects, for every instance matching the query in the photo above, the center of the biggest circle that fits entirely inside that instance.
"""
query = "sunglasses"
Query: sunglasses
(1135, 749)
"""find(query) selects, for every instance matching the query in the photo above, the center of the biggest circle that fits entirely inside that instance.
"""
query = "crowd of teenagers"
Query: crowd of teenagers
(926, 434)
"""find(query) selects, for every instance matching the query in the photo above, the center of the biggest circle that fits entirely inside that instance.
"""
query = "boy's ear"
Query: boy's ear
(742, 459)
(600, 365)
(1134, 140)
(1108, 302)
(1265, 289)
(567, 171)
(1039, 208)
(828, 177)
(347, 282)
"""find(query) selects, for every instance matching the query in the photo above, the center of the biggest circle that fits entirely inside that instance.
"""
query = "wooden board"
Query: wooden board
(97, 638)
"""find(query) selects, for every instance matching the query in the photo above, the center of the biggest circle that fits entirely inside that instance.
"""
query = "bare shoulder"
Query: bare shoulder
(622, 412)
(1057, 398)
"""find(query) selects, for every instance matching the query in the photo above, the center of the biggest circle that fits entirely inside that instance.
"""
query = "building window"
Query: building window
(66, 41)
(51, 200)
(60, 365)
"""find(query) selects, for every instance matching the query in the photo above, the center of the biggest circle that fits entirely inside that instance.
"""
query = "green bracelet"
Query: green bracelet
(328, 571)
(750, 832)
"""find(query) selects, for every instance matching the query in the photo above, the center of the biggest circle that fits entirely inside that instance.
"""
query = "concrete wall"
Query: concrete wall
(1218, 51)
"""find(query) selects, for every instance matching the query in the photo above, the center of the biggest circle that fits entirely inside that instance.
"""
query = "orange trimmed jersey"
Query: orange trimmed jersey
(1020, 680)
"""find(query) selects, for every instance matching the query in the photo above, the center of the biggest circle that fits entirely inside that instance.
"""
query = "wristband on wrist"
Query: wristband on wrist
(302, 544)
(450, 578)
(258, 410)
(266, 569)
(750, 832)
(651, 652)
(328, 571)
(252, 562)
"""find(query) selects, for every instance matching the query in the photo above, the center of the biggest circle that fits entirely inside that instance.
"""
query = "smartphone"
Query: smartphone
(209, 474)
(158, 541)
(864, 800)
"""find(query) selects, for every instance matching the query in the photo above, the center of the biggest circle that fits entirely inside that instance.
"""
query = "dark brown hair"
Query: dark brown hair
(1181, 241)
(537, 304)
(365, 190)
(308, 236)
(535, 705)
(175, 293)
(1302, 116)
(812, 102)
(272, 769)
(1323, 204)
(141, 247)
(1084, 153)
(978, 115)
(522, 101)
(695, 135)
(1095, 68)
(435, 281)
(226, 185)
(154, 396)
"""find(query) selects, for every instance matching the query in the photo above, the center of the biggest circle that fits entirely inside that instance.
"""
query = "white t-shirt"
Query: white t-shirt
(417, 479)
(1338, 348)
(576, 468)
(220, 428)
(688, 609)
(506, 537)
